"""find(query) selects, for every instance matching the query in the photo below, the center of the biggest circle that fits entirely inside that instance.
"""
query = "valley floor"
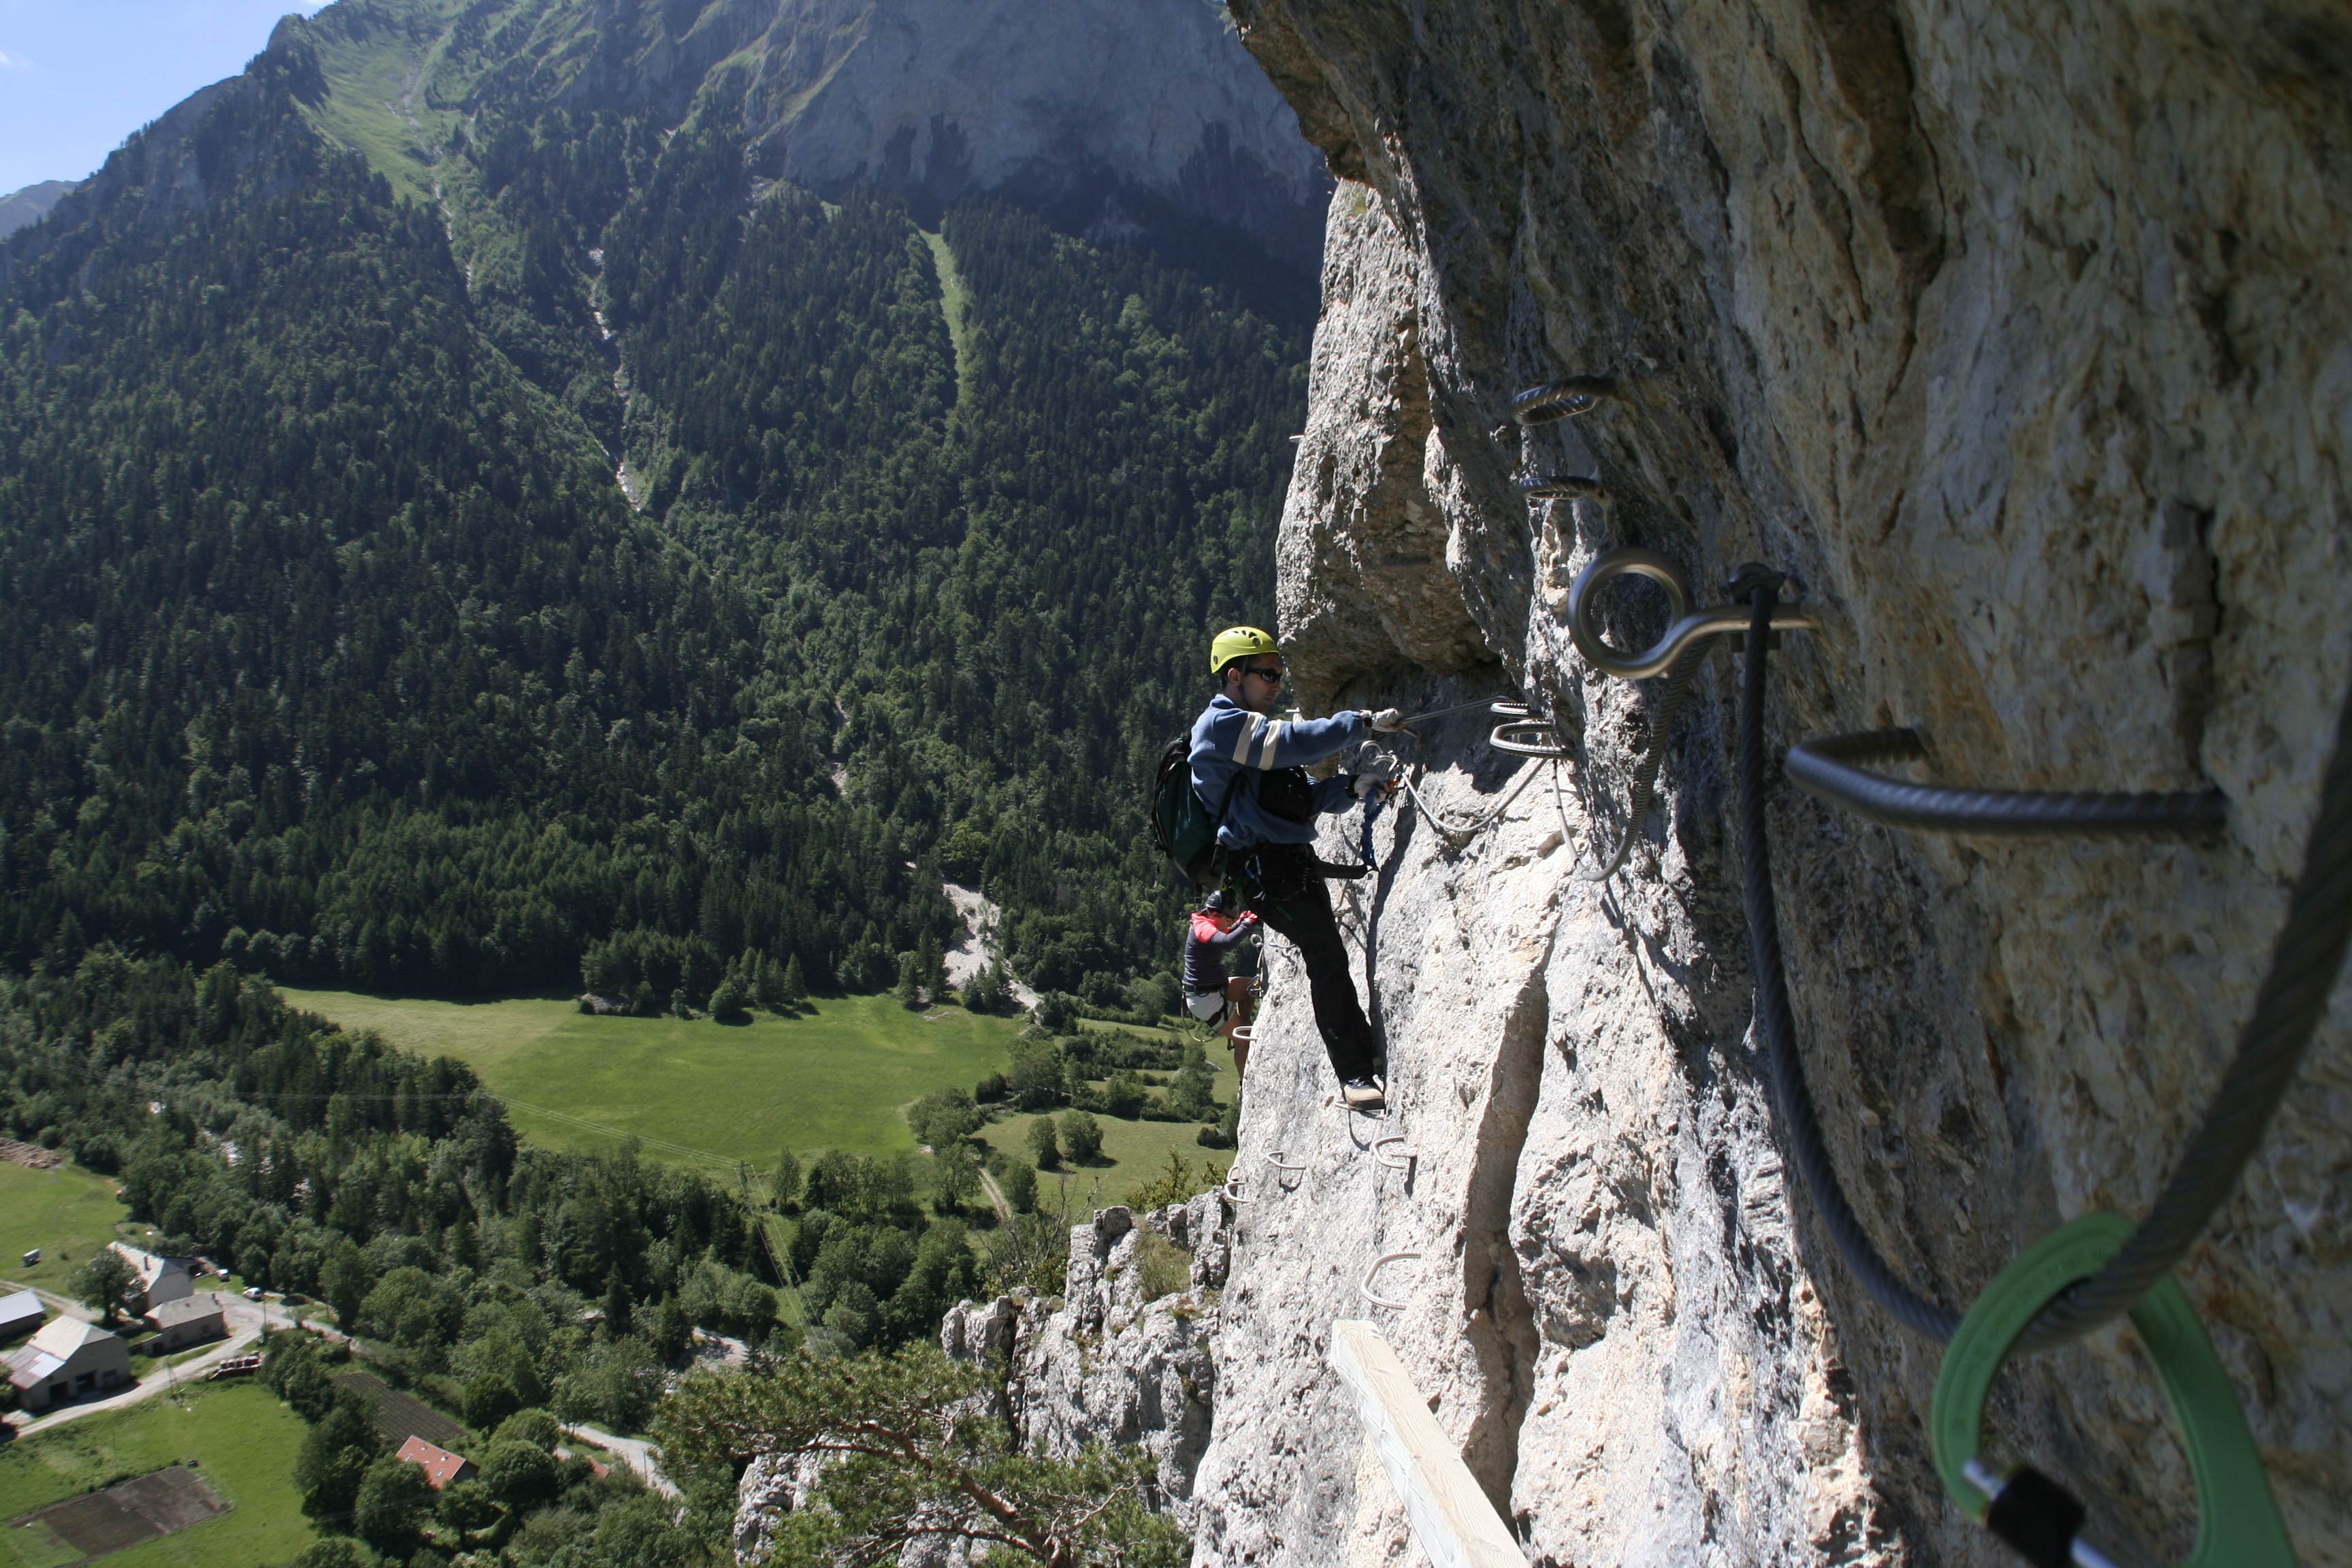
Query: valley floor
(710, 1094)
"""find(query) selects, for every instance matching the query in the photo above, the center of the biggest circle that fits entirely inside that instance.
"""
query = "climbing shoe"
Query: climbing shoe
(1363, 1094)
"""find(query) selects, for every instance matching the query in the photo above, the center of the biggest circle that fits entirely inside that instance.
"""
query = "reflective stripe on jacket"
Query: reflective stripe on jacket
(1229, 742)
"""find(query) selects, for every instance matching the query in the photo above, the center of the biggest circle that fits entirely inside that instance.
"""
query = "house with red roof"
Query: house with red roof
(441, 1466)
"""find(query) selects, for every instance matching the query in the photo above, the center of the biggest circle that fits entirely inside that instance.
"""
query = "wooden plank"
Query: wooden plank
(1452, 1520)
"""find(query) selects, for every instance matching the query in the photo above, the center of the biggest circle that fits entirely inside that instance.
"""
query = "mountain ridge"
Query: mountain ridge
(31, 204)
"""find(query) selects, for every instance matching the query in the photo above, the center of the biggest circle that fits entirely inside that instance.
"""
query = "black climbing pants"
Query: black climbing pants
(1282, 886)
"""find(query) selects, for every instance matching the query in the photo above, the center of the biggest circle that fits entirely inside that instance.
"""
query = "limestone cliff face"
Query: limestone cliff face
(2018, 334)
(939, 97)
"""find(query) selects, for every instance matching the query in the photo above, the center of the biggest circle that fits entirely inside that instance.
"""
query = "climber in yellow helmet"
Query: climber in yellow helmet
(1255, 767)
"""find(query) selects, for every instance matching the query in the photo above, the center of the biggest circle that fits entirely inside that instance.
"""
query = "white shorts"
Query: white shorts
(1209, 1007)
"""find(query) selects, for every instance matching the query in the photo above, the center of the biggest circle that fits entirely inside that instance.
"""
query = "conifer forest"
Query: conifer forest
(581, 560)
(682, 584)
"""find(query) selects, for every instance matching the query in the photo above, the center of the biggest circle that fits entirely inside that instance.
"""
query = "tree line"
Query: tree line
(330, 645)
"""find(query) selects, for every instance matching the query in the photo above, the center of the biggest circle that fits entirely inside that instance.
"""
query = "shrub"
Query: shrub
(1124, 1095)
(1044, 1145)
(943, 1117)
(394, 1501)
(521, 1475)
(535, 1427)
(1161, 1267)
(1034, 1077)
(1179, 1182)
(730, 1003)
(614, 1385)
(467, 1505)
(1081, 1136)
(489, 1400)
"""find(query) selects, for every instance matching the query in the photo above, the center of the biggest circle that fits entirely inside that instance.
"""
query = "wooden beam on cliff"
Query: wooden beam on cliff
(1452, 1520)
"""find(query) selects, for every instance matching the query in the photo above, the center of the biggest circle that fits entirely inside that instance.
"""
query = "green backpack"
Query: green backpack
(1180, 824)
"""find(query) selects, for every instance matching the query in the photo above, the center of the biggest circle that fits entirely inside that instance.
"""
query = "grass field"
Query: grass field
(1134, 1153)
(695, 1090)
(68, 1212)
(242, 1440)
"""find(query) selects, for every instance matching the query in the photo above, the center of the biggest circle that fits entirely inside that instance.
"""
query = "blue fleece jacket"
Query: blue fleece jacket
(1228, 741)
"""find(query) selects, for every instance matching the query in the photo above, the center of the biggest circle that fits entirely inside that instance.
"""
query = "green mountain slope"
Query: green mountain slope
(329, 641)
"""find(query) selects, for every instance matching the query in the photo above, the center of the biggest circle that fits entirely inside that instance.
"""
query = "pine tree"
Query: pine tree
(1044, 1145)
(796, 986)
(931, 968)
(909, 990)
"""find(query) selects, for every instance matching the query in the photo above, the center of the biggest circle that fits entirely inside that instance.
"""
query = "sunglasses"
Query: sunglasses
(1271, 676)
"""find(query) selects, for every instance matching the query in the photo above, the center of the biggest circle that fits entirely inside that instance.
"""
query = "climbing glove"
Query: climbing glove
(1388, 721)
(1374, 770)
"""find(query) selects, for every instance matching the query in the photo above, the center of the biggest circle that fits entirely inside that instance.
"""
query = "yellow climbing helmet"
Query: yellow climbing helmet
(1238, 642)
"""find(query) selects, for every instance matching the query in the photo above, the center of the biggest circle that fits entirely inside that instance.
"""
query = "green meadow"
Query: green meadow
(68, 1212)
(241, 1439)
(695, 1090)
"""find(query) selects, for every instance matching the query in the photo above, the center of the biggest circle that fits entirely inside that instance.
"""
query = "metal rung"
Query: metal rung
(1503, 740)
(1274, 1157)
(1404, 1164)
(1511, 710)
(1364, 1286)
(1243, 1034)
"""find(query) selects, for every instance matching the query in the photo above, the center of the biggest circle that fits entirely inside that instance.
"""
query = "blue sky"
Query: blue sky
(77, 76)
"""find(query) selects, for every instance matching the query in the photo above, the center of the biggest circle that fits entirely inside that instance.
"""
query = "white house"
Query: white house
(186, 1321)
(68, 1359)
(20, 1314)
(160, 1279)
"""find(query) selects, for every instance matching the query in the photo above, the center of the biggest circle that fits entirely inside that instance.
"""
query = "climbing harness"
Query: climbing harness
(1364, 1286)
(2097, 1269)
(2236, 1520)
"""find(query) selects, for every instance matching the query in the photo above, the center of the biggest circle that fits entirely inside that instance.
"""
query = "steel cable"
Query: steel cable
(1461, 831)
(2287, 1013)
(1827, 769)
(2293, 1000)
(1777, 1021)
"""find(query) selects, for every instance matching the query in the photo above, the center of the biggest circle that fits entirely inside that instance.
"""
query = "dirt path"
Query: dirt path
(634, 1452)
(997, 1195)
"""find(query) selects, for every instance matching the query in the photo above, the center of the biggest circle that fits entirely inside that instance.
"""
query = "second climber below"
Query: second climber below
(1249, 772)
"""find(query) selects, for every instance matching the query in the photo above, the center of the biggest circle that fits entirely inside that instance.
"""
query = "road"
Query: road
(634, 1452)
(245, 1319)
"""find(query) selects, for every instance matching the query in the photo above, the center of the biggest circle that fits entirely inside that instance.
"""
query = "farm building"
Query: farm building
(187, 1321)
(66, 1359)
(20, 1314)
(441, 1467)
(160, 1279)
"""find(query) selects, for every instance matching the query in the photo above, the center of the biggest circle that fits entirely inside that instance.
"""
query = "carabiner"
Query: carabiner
(2237, 1519)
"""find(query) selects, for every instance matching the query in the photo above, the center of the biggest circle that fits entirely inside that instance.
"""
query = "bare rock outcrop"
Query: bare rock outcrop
(1063, 100)
(1113, 1359)
(2017, 336)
